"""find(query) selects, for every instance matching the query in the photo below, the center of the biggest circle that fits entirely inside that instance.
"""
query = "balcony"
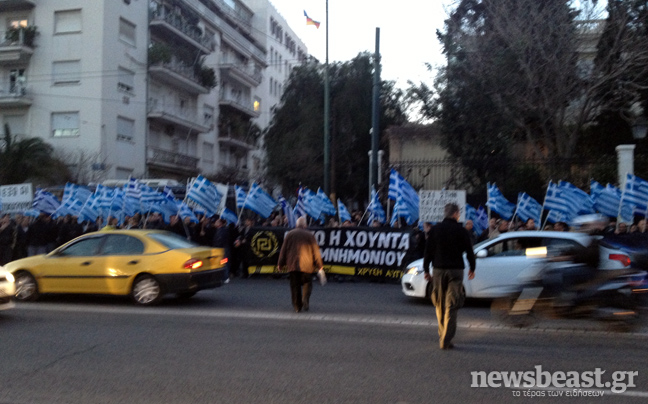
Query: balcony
(16, 5)
(242, 73)
(168, 23)
(178, 75)
(18, 47)
(15, 98)
(184, 118)
(168, 160)
(238, 103)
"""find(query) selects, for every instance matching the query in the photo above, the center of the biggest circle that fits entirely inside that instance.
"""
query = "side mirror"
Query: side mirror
(482, 254)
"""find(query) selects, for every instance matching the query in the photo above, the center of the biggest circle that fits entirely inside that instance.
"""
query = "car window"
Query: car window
(82, 248)
(121, 244)
(171, 240)
(513, 247)
(558, 246)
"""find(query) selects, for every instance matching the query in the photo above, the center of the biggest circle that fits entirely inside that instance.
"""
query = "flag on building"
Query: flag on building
(310, 21)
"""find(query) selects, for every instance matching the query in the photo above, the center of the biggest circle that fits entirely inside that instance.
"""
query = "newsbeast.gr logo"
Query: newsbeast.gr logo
(570, 382)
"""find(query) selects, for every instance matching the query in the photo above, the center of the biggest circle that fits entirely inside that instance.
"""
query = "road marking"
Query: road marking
(333, 318)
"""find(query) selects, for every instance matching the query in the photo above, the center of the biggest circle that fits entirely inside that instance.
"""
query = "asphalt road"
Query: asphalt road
(360, 343)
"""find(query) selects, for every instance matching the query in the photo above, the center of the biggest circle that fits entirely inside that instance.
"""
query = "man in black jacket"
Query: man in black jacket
(445, 246)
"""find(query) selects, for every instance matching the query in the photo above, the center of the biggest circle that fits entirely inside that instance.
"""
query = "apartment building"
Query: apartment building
(148, 88)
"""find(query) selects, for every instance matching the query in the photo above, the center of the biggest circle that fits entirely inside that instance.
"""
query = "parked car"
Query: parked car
(500, 260)
(7, 289)
(145, 264)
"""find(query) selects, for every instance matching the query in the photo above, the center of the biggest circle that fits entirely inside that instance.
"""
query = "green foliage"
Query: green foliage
(30, 158)
(294, 141)
(159, 53)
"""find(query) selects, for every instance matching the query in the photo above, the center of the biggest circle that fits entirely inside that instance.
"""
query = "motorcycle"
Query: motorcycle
(572, 291)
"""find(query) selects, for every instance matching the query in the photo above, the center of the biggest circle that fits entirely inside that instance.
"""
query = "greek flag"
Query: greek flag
(343, 212)
(259, 201)
(480, 223)
(45, 202)
(326, 204)
(70, 206)
(288, 212)
(240, 196)
(205, 194)
(308, 204)
(528, 208)
(401, 210)
(375, 209)
(606, 199)
(184, 211)
(229, 216)
(76, 192)
(398, 186)
(149, 197)
(634, 198)
(560, 201)
(498, 203)
(582, 203)
(91, 209)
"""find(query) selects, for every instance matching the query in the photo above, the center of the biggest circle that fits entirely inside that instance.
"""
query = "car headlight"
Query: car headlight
(10, 278)
(414, 270)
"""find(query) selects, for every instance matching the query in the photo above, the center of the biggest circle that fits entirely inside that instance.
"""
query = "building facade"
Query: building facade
(144, 88)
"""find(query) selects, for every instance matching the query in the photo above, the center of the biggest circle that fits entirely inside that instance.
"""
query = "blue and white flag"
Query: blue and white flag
(288, 212)
(375, 209)
(74, 191)
(240, 196)
(70, 206)
(581, 201)
(229, 216)
(259, 201)
(560, 202)
(498, 203)
(606, 199)
(308, 204)
(398, 186)
(184, 211)
(634, 199)
(401, 211)
(326, 204)
(528, 208)
(91, 209)
(480, 223)
(343, 212)
(204, 194)
(45, 202)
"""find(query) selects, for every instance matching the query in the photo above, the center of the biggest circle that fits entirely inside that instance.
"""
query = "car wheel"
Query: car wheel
(146, 290)
(186, 295)
(26, 287)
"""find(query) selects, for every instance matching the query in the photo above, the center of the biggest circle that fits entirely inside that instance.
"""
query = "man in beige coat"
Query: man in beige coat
(300, 256)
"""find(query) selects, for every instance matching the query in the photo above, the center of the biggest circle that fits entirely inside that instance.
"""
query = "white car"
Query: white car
(7, 289)
(500, 260)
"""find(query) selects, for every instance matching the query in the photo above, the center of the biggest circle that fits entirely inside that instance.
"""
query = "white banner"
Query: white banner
(431, 204)
(16, 198)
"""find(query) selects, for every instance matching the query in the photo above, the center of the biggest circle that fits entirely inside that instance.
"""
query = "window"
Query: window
(68, 21)
(257, 104)
(271, 85)
(17, 23)
(127, 31)
(122, 245)
(66, 72)
(65, 124)
(82, 248)
(126, 80)
(17, 82)
(208, 152)
(125, 129)
(208, 115)
(17, 124)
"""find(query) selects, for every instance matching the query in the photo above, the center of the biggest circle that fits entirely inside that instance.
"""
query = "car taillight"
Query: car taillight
(193, 264)
(224, 261)
(623, 259)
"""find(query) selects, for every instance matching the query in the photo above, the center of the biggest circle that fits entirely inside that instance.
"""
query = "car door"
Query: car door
(497, 273)
(124, 257)
(71, 269)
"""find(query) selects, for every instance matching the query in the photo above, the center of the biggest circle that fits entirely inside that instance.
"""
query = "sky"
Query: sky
(407, 32)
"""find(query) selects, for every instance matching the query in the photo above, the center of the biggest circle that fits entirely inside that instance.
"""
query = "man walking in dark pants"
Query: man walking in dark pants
(446, 243)
(300, 255)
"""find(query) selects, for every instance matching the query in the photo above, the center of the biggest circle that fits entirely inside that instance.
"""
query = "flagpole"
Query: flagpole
(327, 130)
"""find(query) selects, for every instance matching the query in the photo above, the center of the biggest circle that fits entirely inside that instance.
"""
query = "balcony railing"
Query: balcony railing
(16, 46)
(169, 159)
(248, 75)
(162, 15)
(15, 5)
(240, 103)
(179, 75)
(174, 115)
(16, 96)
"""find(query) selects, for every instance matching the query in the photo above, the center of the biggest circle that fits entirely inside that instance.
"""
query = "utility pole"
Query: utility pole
(375, 117)
(327, 113)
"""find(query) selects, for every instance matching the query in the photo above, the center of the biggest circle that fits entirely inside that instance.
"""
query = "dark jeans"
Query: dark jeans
(448, 297)
(301, 286)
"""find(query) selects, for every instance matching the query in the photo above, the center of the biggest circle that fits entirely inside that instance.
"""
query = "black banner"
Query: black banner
(360, 251)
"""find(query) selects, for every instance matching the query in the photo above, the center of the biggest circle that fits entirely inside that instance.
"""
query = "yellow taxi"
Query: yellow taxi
(145, 264)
